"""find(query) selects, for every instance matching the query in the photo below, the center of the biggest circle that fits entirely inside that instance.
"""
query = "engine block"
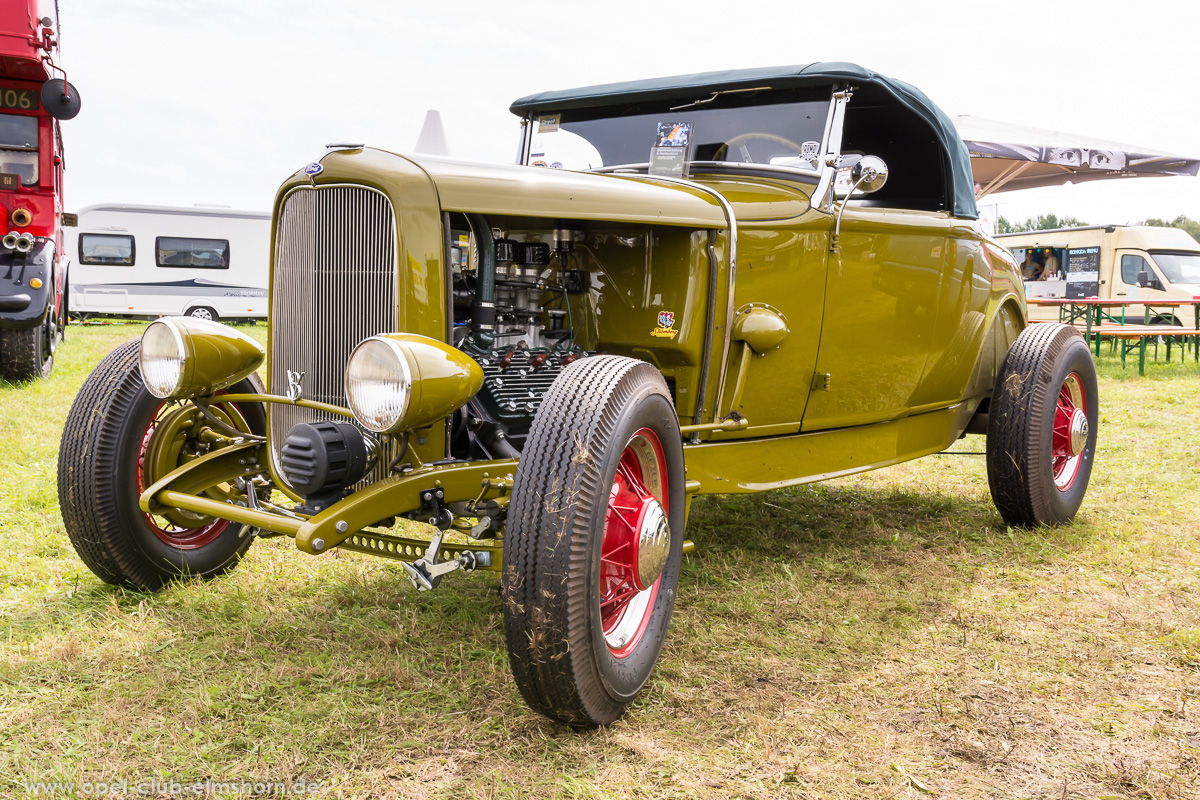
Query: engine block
(515, 380)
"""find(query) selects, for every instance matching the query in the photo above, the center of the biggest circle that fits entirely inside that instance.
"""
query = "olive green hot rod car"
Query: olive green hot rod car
(716, 283)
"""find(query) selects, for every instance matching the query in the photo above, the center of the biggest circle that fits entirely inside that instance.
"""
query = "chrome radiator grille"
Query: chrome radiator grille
(334, 284)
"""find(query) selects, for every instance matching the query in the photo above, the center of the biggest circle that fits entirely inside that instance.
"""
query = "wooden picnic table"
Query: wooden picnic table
(1073, 309)
(1094, 311)
(1100, 321)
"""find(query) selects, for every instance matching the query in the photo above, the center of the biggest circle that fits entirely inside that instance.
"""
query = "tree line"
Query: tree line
(1046, 222)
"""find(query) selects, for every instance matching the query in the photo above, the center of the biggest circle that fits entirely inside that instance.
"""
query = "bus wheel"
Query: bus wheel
(28, 354)
(204, 312)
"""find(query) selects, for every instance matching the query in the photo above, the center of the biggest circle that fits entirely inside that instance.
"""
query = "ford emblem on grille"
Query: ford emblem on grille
(313, 169)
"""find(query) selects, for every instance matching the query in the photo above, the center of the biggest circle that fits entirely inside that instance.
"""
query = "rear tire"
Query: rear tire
(1042, 420)
(594, 541)
(101, 474)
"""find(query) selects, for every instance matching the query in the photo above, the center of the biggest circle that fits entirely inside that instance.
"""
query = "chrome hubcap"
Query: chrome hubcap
(653, 544)
(1079, 432)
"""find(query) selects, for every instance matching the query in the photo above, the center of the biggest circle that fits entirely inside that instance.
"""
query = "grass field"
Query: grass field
(881, 636)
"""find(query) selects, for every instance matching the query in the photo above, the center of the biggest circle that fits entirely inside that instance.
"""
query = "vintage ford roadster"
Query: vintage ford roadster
(716, 283)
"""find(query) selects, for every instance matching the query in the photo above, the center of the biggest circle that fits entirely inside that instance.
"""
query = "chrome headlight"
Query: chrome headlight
(378, 384)
(163, 358)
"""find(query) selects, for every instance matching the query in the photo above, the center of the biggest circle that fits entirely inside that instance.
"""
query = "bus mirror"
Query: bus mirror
(60, 99)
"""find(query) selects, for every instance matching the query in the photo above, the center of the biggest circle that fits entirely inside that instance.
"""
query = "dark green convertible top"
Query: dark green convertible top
(692, 87)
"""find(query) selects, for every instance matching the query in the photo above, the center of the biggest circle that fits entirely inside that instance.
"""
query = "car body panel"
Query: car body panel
(802, 336)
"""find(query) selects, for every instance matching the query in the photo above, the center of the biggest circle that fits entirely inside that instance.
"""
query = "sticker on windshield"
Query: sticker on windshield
(548, 123)
(672, 148)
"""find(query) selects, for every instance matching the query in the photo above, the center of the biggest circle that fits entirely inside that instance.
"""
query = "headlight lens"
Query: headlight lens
(163, 358)
(378, 384)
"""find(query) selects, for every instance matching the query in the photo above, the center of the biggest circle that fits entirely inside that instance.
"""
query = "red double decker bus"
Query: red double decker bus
(34, 97)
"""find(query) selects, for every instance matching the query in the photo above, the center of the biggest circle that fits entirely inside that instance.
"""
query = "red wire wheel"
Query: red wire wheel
(636, 542)
(1070, 434)
(181, 536)
(1041, 441)
(593, 541)
(117, 440)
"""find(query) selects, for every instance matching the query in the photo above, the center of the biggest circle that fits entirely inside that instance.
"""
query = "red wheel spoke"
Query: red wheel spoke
(619, 597)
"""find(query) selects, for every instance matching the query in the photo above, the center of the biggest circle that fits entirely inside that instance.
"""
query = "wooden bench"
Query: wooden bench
(1135, 336)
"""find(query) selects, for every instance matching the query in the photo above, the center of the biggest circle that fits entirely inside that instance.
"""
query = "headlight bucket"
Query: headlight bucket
(187, 357)
(404, 381)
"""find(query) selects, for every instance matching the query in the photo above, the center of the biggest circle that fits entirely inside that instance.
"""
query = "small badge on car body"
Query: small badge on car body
(295, 390)
(313, 169)
(666, 325)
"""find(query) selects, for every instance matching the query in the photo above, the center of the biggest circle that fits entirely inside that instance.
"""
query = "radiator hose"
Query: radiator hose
(483, 314)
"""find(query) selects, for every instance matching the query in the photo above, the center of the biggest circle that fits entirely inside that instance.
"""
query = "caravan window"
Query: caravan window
(176, 251)
(106, 248)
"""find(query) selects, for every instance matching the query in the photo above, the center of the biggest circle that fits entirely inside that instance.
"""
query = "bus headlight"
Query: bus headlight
(188, 357)
(403, 381)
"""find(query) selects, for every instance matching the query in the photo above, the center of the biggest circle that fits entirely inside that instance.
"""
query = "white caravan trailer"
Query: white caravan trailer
(150, 261)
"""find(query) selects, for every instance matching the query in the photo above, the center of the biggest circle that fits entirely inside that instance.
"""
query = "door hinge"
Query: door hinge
(821, 381)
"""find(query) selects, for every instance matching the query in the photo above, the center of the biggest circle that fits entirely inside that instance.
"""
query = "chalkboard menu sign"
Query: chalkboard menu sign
(1083, 272)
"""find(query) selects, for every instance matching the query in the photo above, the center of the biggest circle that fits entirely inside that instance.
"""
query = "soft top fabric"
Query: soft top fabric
(692, 87)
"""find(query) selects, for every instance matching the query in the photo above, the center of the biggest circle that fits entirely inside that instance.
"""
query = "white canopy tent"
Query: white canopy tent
(1007, 157)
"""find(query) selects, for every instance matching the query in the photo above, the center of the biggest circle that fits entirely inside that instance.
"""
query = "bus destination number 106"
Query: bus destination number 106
(24, 99)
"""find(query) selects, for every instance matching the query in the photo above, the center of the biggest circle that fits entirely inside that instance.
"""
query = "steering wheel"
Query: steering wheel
(745, 137)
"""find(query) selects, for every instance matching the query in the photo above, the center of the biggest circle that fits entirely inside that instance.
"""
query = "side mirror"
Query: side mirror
(1143, 279)
(867, 174)
(60, 99)
(864, 174)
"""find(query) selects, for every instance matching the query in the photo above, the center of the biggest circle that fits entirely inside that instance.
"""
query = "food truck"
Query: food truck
(1117, 262)
(34, 97)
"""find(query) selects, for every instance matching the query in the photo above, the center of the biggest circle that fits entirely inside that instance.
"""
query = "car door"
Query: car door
(881, 309)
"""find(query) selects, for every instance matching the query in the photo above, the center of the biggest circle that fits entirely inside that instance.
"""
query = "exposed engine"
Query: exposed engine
(512, 317)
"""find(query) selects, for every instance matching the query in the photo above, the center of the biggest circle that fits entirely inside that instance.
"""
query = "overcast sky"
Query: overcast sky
(217, 101)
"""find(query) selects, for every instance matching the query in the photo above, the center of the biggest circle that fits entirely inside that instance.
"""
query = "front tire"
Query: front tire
(28, 354)
(1042, 419)
(107, 458)
(594, 541)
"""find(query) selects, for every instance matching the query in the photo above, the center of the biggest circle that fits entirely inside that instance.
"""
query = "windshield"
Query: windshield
(1178, 267)
(18, 147)
(780, 128)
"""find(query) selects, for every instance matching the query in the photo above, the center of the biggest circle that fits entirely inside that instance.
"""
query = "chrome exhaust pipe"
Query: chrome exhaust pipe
(24, 243)
(10, 241)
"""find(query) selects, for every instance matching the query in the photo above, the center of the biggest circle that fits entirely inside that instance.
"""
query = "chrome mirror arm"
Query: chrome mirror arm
(870, 173)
